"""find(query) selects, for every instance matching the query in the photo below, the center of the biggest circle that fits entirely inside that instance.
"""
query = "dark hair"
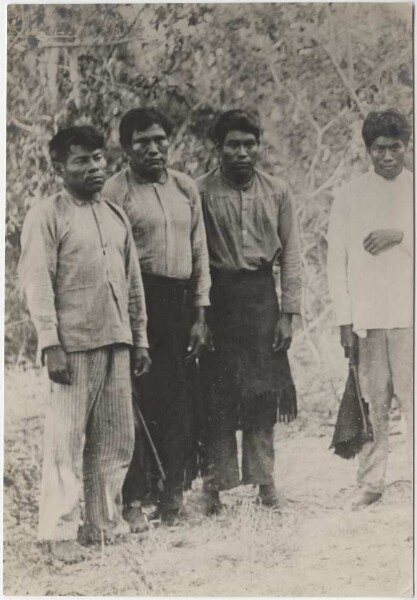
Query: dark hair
(234, 120)
(388, 123)
(85, 136)
(139, 119)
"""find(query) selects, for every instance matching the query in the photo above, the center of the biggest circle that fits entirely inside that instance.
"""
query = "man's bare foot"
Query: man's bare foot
(68, 551)
(136, 519)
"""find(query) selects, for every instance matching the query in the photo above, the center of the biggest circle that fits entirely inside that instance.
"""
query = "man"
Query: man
(370, 274)
(250, 224)
(81, 277)
(164, 209)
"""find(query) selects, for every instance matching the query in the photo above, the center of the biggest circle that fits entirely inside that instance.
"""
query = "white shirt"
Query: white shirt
(372, 291)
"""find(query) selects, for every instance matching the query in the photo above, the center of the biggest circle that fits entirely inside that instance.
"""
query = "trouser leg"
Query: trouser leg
(64, 439)
(400, 351)
(376, 387)
(138, 479)
(258, 457)
(221, 468)
(110, 438)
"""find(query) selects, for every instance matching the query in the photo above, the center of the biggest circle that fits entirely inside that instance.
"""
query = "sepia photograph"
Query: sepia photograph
(209, 300)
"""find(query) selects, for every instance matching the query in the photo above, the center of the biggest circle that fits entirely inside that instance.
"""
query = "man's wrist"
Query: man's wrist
(398, 236)
(200, 315)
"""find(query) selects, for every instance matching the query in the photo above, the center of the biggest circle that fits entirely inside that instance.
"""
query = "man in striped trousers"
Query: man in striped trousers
(81, 278)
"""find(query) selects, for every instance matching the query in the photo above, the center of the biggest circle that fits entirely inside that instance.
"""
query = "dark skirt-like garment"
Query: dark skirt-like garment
(162, 394)
(243, 380)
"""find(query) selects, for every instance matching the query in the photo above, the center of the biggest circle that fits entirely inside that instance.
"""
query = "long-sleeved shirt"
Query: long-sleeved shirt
(80, 275)
(253, 225)
(167, 225)
(371, 291)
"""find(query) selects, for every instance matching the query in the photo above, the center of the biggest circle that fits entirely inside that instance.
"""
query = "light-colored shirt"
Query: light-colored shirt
(167, 225)
(251, 226)
(80, 274)
(372, 291)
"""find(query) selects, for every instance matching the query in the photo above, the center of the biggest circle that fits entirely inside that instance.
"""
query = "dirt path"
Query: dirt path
(316, 547)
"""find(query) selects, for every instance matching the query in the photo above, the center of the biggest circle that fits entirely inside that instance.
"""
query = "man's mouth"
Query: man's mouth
(96, 179)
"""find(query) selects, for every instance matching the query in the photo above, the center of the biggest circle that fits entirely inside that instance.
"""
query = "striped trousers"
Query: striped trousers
(88, 439)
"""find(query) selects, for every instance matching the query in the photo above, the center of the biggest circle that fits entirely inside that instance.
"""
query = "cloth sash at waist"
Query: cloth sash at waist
(244, 379)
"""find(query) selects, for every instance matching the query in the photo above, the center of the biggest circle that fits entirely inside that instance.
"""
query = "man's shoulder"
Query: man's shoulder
(204, 181)
(274, 182)
(116, 183)
(350, 190)
(47, 207)
(186, 184)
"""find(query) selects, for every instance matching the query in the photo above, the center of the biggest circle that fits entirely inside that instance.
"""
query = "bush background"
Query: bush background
(311, 71)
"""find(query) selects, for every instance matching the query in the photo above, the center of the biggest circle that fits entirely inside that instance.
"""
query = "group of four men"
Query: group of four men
(114, 270)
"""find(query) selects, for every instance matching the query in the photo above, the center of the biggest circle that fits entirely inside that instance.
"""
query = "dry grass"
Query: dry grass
(314, 547)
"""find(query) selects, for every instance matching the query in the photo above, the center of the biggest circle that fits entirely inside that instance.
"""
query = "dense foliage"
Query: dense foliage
(312, 71)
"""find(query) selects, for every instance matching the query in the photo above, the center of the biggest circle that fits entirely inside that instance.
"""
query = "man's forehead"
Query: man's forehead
(77, 150)
(154, 129)
(237, 134)
(383, 140)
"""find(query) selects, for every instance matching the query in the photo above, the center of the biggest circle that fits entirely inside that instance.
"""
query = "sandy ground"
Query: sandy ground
(316, 547)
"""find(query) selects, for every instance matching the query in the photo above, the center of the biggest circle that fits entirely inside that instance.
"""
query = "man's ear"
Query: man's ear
(58, 168)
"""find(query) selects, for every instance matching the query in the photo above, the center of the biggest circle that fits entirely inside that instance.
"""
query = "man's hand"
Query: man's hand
(141, 362)
(200, 337)
(59, 370)
(349, 341)
(382, 239)
(283, 333)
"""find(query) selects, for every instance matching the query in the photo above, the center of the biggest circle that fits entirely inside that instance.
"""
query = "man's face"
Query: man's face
(387, 154)
(148, 152)
(83, 171)
(239, 154)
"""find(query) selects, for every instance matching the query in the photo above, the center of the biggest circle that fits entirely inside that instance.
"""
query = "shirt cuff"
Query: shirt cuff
(343, 318)
(201, 300)
(47, 338)
(140, 339)
(293, 308)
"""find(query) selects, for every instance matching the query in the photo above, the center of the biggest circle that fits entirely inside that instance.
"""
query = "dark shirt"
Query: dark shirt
(251, 226)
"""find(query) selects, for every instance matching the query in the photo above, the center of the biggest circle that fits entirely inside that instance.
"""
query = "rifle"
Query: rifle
(151, 443)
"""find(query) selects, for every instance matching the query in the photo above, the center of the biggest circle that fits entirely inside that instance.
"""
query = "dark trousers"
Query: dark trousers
(221, 463)
(162, 398)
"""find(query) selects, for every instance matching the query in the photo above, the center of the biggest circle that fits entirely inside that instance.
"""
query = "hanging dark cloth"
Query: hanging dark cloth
(353, 428)
(243, 381)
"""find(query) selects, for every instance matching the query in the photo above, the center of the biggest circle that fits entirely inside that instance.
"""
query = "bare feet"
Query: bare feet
(365, 498)
(136, 519)
(68, 551)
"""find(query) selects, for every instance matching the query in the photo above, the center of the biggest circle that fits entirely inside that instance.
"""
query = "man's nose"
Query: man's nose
(242, 151)
(153, 149)
(93, 166)
(387, 156)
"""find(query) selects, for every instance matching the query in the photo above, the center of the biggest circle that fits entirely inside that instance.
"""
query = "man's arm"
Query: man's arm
(137, 308)
(337, 275)
(200, 278)
(37, 271)
(290, 271)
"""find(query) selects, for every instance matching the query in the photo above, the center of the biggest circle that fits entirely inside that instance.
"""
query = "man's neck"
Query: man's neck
(83, 197)
(142, 177)
(236, 179)
(392, 178)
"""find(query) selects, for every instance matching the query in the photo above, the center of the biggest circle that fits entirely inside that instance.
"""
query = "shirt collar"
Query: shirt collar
(380, 179)
(235, 186)
(139, 179)
(80, 201)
